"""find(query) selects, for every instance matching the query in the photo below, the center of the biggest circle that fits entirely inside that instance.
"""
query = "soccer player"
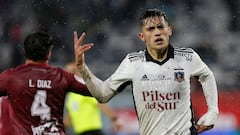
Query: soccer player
(36, 90)
(160, 78)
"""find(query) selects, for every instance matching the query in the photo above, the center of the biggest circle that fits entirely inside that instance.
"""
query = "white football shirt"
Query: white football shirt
(161, 90)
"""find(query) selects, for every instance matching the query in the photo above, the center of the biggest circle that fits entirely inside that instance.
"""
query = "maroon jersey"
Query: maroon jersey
(4, 116)
(36, 94)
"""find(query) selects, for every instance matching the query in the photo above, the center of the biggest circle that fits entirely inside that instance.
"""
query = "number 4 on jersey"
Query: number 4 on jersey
(39, 106)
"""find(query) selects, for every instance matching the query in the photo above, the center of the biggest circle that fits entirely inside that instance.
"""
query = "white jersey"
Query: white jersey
(161, 90)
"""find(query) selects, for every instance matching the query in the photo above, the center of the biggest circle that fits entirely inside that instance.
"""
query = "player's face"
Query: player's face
(155, 33)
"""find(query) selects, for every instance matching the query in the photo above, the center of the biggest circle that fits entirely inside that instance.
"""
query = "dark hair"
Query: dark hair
(37, 46)
(151, 13)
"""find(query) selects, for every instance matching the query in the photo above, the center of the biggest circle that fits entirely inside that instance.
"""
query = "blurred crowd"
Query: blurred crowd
(211, 27)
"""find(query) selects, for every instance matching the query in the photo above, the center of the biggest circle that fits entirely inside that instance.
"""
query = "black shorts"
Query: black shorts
(92, 132)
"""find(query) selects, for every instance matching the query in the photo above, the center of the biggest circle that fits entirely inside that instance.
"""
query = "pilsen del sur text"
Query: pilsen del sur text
(161, 101)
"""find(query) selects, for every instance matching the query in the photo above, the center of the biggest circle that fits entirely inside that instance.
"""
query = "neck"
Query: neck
(27, 61)
(159, 55)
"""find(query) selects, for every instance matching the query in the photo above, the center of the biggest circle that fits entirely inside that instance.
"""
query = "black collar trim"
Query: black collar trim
(170, 54)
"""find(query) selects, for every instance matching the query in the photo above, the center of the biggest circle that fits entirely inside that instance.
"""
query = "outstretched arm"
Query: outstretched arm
(99, 89)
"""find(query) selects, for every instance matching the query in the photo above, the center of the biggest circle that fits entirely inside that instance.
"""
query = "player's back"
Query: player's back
(37, 93)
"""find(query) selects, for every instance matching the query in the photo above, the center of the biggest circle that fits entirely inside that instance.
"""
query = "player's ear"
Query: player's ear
(141, 37)
(170, 30)
(48, 55)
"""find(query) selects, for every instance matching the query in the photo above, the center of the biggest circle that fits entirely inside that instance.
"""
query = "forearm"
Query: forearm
(97, 87)
(210, 91)
(208, 120)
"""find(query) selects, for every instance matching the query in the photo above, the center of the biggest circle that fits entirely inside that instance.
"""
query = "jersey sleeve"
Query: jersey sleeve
(207, 80)
(199, 68)
(122, 76)
(76, 85)
(103, 91)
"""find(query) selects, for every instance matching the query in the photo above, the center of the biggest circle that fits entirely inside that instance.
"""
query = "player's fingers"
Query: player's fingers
(201, 128)
(75, 38)
(84, 48)
(78, 41)
(81, 38)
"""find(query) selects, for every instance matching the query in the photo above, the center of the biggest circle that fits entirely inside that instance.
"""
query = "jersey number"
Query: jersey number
(39, 106)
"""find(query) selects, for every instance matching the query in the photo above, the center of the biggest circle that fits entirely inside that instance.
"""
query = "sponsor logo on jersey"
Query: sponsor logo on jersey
(161, 101)
(155, 81)
(144, 78)
(179, 76)
(155, 77)
(49, 128)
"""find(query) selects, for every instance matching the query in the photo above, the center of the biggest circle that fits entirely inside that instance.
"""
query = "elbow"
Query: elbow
(102, 93)
(204, 78)
(103, 99)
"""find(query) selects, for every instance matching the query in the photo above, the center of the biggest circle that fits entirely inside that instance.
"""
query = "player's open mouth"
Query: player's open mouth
(159, 40)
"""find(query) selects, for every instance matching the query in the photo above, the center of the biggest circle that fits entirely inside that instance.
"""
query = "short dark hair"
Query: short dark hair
(37, 46)
(154, 12)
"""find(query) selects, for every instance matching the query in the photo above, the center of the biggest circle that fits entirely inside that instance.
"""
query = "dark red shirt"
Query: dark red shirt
(36, 93)
(4, 116)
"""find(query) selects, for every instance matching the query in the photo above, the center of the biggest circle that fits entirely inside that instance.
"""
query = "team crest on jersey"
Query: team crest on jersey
(179, 76)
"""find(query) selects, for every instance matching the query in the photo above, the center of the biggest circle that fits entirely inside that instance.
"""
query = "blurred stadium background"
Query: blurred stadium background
(211, 27)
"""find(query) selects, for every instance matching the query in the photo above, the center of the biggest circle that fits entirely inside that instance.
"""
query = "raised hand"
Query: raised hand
(79, 49)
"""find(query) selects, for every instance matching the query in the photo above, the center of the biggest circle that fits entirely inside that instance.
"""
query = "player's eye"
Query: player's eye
(160, 27)
(150, 28)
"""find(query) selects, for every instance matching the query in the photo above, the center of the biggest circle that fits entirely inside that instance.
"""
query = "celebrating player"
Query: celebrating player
(36, 90)
(160, 78)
